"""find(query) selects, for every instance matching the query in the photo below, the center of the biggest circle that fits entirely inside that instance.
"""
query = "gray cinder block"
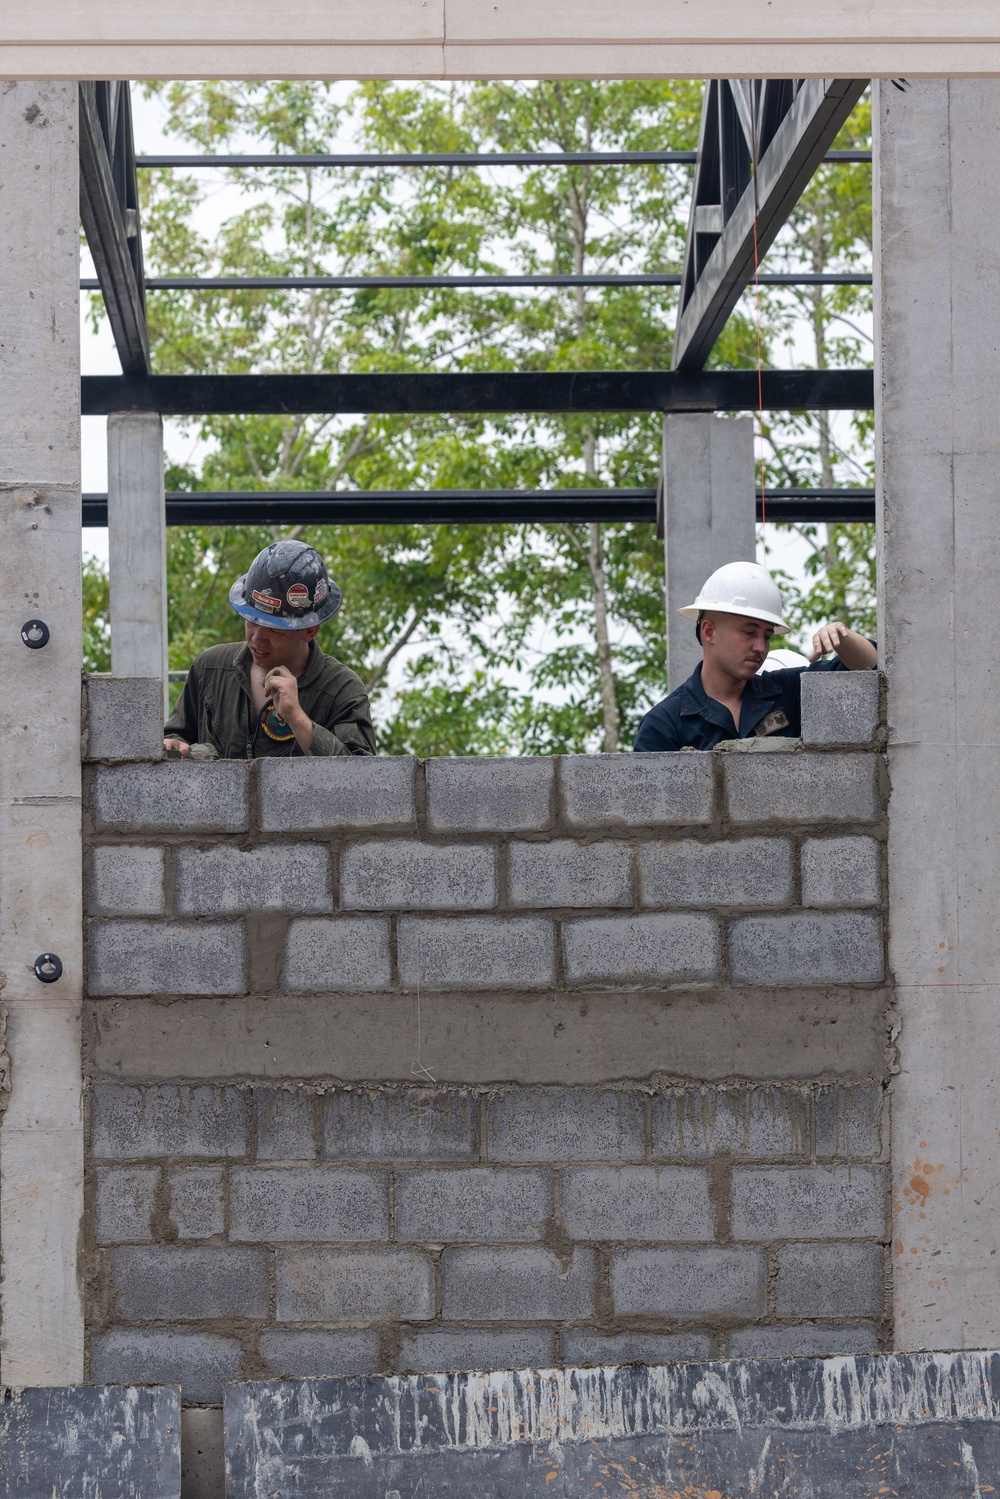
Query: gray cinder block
(525, 1284)
(356, 1285)
(581, 1346)
(566, 1124)
(507, 795)
(840, 707)
(649, 948)
(806, 948)
(200, 1362)
(226, 881)
(317, 1354)
(647, 790)
(476, 952)
(197, 1202)
(432, 1350)
(166, 957)
(636, 1202)
(724, 1280)
(849, 1120)
(175, 1282)
(697, 1123)
(337, 956)
(283, 1120)
(337, 793)
(742, 872)
(841, 872)
(807, 1340)
(563, 873)
(131, 1122)
(124, 718)
(284, 1204)
(506, 1204)
(400, 1124)
(403, 875)
(126, 1196)
(126, 880)
(802, 788)
(830, 1280)
(175, 796)
(809, 1202)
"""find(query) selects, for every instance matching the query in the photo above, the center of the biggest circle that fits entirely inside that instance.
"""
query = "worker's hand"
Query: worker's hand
(283, 690)
(828, 638)
(178, 746)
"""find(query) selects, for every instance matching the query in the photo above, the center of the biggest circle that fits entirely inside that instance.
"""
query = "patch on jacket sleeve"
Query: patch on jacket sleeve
(771, 724)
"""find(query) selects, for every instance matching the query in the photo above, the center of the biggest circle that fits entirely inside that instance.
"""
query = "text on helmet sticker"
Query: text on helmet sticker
(298, 596)
(322, 589)
(266, 601)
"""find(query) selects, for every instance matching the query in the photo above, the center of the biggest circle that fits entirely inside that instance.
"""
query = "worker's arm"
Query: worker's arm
(181, 729)
(855, 651)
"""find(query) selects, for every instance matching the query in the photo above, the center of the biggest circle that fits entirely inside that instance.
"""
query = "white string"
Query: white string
(417, 1067)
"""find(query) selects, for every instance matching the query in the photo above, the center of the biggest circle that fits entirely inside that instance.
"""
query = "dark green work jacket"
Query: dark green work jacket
(216, 707)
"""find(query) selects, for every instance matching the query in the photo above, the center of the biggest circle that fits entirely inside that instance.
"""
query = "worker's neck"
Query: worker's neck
(723, 685)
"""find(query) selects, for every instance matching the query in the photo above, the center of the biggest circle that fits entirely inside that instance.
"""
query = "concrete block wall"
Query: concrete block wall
(400, 1066)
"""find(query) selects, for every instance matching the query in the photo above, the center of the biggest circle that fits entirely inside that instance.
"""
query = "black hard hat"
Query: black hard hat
(286, 587)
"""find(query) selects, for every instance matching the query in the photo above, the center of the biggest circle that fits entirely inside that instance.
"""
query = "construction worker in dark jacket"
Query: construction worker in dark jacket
(276, 694)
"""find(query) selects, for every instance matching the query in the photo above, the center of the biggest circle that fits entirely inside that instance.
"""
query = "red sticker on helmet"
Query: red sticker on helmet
(298, 596)
(266, 601)
(322, 589)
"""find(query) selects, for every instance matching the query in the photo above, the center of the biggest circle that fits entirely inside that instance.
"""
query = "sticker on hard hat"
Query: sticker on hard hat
(322, 589)
(266, 601)
(298, 596)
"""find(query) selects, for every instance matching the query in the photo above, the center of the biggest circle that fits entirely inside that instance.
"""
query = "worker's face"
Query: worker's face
(271, 648)
(738, 646)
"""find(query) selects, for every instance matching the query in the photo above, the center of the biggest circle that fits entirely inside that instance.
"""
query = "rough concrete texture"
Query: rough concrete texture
(566, 1124)
(798, 948)
(203, 1474)
(489, 796)
(809, 1202)
(529, 1283)
(841, 872)
(328, 1204)
(838, 788)
(170, 957)
(563, 873)
(399, 1124)
(728, 1281)
(297, 1355)
(582, 1347)
(350, 952)
(226, 881)
(476, 952)
(200, 1362)
(836, 1280)
(476, 1348)
(408, 876)
(804, 1340)
(840, 707)
(345, 791)
(124, 717)
(636, 1202)
(127, 881)
(641, 949)
(360, 1285)
(740, 872)
(174, 796)
(618, 792)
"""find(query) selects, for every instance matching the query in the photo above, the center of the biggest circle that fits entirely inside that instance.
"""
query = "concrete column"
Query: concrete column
(937, 183)
(137, 545)
(709, 517)
(41, 1136)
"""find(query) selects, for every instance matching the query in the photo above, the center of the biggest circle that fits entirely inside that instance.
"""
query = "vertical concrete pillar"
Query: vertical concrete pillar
(937, 183)
(137, 545)
(41, 1135)
(709, 517)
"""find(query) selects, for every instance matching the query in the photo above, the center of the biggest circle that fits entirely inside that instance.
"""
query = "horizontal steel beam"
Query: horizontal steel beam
(454, 159)
(464, 506)
(555, 391)
(398, 283)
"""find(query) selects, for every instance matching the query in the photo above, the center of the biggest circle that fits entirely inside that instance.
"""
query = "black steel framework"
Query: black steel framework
(397, 283)
(453, 159)
(109, 208)
(761, 141)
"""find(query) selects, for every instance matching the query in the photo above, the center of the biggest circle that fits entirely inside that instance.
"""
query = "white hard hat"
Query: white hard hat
(743, 588)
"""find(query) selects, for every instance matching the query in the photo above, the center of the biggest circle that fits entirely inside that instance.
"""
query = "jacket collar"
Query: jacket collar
(758, 696)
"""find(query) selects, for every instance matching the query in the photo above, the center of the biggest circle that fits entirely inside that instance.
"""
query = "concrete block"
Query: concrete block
(716, 1281)
(184, 1283)
(636, 1202)
(744, 872)
(627, 791)
(200, 1362)
(337, 956)
(401, 875)
(564, 873)
(438, 1349)
(803, 1340)
(166, 957)
(809, 1202)
(226, 881)
(582, 1346)
(565, 1124)
(356, 1285)
(841, 872)
(830, 1280)
(338, 793)
(485, 795)
(476, 952)
(284, 1124)
(317, 1354)
(124, 718)
(849, 1120)
(198, 1202)
(641, 949)
(800, 948)
(756, 1123)
(527, 1284)
(330, 1204)
(802, 788)
(400, 1124)
(126, 881)
(175, 796)
(203, 1467)
(482, 1202)
(125, 1198)
(137, 1122)
(839, 707)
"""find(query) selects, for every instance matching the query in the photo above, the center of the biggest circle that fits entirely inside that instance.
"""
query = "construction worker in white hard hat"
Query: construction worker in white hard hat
(727, 696)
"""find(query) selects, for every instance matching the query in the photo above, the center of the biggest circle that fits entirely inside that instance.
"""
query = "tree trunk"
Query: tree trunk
(609, 703)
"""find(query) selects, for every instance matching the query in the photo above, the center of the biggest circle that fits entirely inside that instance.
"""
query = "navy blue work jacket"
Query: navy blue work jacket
(689, 719)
